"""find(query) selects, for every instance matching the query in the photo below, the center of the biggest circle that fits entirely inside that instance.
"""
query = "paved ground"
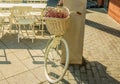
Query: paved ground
(101, 54)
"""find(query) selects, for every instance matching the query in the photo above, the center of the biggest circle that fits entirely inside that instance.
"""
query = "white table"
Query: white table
(34, 5)
(5, 14)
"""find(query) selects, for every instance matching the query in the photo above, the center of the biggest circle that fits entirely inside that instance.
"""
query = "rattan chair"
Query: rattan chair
(24, 22)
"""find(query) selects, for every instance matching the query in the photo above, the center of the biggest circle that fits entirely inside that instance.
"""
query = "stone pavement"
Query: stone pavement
(101, 55)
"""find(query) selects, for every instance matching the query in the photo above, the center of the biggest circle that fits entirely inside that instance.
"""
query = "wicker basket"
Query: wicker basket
(57, 26)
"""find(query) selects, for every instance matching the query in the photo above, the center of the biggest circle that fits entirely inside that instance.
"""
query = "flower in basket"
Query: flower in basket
(58, 12)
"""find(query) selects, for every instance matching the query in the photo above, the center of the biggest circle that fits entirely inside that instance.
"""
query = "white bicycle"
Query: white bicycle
(55, 49)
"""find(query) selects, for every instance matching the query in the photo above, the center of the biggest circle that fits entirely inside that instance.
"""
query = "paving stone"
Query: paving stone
(83, 76)
(105, 81)
(73, 82)
(76, 66)
(101, 70)
(98, 81)
(78, 79)
(46, 82)
(65, 80)
(77, 72)
(39, 73)
(71, 76)
(92, 64)
(91, 81)
(71, 68)
(67, 72)
(102, 73)
(84, 82)
(23, 78)
(82, 69)
(30, 65)
(89, 74)
(1, 76)
(3, 82)
(95, 72)
(15, 66)
(88, 66)
(22, 55)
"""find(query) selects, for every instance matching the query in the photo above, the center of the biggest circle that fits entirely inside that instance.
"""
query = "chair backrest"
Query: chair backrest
(37, 1)
(30, 1)
(7, 1)
(44, 1)
(20, 12)
(12, 1)
(17, 1)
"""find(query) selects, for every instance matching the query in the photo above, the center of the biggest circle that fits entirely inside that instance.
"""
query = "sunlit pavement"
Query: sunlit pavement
(19, 64)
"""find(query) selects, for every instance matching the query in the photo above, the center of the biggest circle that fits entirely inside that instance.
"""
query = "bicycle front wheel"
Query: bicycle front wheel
(54, 69)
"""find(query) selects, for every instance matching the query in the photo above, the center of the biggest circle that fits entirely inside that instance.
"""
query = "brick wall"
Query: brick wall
(114, 9)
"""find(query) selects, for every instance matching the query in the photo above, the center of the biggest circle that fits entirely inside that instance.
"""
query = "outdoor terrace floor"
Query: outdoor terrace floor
(101, 54)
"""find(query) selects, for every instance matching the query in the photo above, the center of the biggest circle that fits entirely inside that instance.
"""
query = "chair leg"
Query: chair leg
(33, 32)
(18, 40)
(18, 33)
(42, 28)
(10, 28)
(32, 40)
(16, 28)
(2, 30)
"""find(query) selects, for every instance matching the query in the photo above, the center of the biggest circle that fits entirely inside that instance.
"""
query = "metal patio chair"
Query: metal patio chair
(5, 20)
(38, 14)
(24, 21)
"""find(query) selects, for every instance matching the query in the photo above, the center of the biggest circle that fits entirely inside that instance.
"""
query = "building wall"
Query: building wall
(114, 9)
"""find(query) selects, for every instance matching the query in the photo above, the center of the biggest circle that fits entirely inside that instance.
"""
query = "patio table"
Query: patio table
(34, 5)
(5, 14)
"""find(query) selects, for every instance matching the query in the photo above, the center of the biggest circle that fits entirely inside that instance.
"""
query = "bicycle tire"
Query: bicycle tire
(47, 64)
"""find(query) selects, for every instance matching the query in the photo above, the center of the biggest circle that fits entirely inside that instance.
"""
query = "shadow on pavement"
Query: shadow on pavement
(104, 28)
(3, 56)
(91, 73)
(100, 10)
(9, 42)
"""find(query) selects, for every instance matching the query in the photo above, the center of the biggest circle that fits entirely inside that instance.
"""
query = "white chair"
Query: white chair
(1, 26)
(44, 1)
(17, 1)
(38, 15)
(5, 20)
(7, 1)
(37, 1)
(24, 21)
(30, 1)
